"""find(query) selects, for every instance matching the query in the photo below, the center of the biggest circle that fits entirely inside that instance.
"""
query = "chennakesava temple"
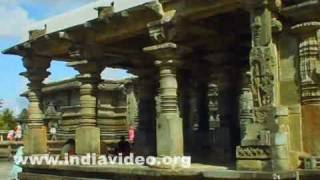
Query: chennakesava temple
(235, 84)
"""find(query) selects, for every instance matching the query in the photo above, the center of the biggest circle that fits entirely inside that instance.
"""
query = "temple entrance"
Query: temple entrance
(209, 87)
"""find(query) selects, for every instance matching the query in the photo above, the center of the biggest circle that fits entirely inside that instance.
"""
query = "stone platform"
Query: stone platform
(124, 172)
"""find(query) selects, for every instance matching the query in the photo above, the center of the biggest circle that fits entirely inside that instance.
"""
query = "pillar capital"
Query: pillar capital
(36, 67)
(167, 54)
(87, 68)
(306, 28)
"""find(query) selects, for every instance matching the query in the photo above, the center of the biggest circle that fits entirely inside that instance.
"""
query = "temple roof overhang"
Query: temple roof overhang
(302, 11)
(116, 36)
(113, 33)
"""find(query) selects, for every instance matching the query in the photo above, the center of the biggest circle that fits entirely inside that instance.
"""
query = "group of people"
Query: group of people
(15, 135)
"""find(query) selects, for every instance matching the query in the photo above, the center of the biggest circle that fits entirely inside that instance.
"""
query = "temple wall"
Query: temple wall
(112, 110)
(74, 97)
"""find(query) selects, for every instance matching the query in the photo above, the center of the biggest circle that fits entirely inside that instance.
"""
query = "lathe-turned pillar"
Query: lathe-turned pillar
(309, 68)
(87, 134)
(35, 136)
(169, 122)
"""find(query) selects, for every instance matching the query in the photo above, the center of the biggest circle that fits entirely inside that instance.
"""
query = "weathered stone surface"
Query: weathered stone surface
(283, 62)
(87, 140)
(35, 140)
(253, 165)
(310, 129)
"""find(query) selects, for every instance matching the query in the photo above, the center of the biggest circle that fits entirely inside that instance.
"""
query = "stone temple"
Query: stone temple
(235, 84)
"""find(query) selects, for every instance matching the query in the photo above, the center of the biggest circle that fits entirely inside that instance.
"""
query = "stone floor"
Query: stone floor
(5, 168)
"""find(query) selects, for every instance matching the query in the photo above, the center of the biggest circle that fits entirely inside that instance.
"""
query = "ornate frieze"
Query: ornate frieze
(262, 68)
(253, 152)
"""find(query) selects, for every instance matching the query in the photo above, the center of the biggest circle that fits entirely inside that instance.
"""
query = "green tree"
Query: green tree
(7, 120)
(23, 116)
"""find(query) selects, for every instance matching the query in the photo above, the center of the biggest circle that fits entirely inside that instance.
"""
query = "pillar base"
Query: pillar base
(253, 165)
(169, 135)
(87, 140)
(35, 140)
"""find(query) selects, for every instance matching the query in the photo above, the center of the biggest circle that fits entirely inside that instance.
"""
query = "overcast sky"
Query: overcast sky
(15, 15)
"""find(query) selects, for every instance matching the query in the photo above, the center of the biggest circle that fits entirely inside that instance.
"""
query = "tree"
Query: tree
(7, 120)
(23, 115)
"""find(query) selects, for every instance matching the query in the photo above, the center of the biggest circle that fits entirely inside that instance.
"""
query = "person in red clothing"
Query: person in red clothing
(131, 135)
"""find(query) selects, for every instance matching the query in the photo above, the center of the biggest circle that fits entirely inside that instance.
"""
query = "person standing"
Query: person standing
(10, 135)
(18, 133)
(53, 133)
(131, 134)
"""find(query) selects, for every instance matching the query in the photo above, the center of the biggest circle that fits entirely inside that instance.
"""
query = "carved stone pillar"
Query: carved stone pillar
(35, 137)
(245, 108)
(88, 134)
(309, 54)
(256, 151)
(169, 123)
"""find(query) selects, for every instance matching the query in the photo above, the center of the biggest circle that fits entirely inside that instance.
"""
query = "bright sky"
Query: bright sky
(15, 16)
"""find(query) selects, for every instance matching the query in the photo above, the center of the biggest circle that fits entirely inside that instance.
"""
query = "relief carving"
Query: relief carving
(262, 64)
(253, 152)
(213, 106)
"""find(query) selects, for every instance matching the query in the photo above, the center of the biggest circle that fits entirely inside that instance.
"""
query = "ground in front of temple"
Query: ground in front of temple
(5, 168)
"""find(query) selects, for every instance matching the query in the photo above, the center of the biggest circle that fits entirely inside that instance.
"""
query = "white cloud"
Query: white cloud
(13, 19)
(115, 74)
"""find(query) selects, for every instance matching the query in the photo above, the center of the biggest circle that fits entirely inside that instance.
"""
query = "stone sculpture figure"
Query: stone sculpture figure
(214, 117)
